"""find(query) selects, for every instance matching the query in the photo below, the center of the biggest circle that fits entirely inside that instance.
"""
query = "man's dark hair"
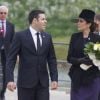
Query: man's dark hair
(34, 14)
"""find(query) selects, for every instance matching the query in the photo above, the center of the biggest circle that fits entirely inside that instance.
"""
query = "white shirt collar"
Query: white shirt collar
(34, 36)
(3, 21)
(33, 31)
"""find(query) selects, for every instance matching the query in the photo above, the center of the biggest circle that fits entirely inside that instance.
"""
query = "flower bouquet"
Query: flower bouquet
(93, 51)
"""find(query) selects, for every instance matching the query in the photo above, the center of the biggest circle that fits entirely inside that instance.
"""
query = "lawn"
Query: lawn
(61, 47)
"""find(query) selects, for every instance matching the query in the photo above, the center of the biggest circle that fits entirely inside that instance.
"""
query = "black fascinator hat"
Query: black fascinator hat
(87, 15)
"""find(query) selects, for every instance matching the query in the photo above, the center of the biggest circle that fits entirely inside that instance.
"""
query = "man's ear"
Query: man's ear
(34, 20)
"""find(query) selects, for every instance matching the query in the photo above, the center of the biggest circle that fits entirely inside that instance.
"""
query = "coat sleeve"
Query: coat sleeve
(52, 63)
(70, 58)
(11, 58)
(13, 32)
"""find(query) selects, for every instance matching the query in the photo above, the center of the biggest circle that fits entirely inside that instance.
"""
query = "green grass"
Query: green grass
(61, 39)
(61, 50)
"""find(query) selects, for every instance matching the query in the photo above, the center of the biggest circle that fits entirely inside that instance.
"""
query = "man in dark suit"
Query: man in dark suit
(97, 21)
(35, 50)
(6, 35)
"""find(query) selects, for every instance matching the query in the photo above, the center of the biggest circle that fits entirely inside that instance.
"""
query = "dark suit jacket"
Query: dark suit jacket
(6, 41)
(10, 31)
(76, 50)
(32, 65)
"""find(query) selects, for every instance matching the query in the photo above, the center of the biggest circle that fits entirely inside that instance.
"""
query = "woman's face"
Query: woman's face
(82, 25)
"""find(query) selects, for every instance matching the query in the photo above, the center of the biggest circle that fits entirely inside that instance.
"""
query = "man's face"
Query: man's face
(97, 21)
(3, 13)
(40, 22)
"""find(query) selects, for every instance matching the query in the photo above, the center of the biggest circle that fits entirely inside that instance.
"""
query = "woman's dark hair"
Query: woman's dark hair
(34, 14)
(93, 25)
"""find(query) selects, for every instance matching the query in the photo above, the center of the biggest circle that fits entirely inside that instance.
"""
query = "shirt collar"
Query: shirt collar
(3, 21)
(33, 31)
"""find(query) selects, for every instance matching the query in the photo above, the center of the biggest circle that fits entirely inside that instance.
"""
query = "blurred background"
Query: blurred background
(60, 15)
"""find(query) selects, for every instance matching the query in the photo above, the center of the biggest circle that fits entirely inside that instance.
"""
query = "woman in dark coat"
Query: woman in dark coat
(85, 80)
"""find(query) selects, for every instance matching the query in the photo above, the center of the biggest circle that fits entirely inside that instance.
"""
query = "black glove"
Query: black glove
(85, 61)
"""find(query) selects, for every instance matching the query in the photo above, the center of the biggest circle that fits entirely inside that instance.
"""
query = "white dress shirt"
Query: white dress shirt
(34, 36)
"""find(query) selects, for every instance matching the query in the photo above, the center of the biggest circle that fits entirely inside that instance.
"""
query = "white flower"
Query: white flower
(96, 47)
(93, 51)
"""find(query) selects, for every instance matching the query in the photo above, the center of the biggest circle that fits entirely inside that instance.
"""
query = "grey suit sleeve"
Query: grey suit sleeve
(11, 58)
(52, 63)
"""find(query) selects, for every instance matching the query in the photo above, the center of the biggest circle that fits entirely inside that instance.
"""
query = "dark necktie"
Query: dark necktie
(38, 42)
(3, 26)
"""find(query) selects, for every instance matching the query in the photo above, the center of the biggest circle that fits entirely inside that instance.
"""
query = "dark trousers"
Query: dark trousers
(90, 92)
(36, 93)
(3, 62)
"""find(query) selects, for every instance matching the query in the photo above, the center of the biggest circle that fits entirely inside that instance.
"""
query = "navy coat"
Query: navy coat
(76, 50)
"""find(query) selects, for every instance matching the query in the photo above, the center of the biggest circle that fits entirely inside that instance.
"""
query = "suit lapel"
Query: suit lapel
(43, 41)
(80, 42)
(7, 29)
(30, 41)
(32, 44)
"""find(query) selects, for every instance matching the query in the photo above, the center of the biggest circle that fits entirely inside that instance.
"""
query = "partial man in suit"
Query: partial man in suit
(6, 36)
(35, 50)
(97, 21)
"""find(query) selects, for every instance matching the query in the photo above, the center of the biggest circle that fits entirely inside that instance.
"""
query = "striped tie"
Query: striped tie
(3, 28)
